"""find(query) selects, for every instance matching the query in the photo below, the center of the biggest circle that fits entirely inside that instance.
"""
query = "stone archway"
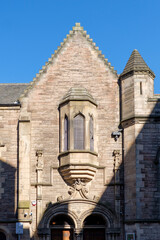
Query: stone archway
(62, 227)
(74, 212)
(5, 233)
(2, 236)
(94, 227)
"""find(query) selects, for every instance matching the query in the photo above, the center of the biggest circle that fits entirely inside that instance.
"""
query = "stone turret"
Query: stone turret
(136, 86)
(137, 82)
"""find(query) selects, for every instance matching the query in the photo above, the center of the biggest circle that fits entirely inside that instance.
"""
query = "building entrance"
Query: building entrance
(61, 234)
(61, 228)
(94, 234)
(94, 228)
(2, 236)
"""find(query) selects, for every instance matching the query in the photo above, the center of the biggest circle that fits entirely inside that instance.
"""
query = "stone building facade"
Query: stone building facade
(80, 149)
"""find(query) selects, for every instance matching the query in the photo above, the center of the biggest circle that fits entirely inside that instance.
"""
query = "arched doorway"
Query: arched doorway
(94, 227)
(61, 227)
(2, 236)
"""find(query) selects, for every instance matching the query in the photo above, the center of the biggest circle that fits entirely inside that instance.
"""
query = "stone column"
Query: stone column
(47, 237)
(24, 174)
(78, 234)
(117, 162)
(39, 169)
(108, 236)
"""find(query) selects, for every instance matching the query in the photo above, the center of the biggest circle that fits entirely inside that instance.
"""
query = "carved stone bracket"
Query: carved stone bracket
(78, 188)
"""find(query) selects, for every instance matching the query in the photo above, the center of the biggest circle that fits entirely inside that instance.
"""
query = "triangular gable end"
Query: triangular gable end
(79, 28)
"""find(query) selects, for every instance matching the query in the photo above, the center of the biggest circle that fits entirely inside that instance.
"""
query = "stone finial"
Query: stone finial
(77, 27)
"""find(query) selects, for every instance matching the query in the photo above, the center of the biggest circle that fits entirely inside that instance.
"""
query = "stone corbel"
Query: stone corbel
(78, 187)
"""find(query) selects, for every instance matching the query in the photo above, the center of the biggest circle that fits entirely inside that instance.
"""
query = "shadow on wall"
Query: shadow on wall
(8, 210)
(130, 201)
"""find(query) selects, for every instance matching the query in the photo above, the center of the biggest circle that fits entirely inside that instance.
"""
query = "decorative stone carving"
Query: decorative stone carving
(116, 154)
(78, 187)
(96, 199)
(60, 198)
(39, 154)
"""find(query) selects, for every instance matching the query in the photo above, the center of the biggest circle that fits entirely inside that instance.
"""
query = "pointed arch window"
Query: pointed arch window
(91, 132)
(65, 133)
(78, 123)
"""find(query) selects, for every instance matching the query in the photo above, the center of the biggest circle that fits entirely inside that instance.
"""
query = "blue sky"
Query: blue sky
(30, 31)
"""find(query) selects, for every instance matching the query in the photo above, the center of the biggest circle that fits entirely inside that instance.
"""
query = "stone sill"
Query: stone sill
(77, 151)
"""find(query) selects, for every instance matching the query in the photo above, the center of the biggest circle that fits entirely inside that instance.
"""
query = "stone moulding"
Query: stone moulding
(139, 119)
(94, 208)
(76, 28)
(77, 151)
(73, 172)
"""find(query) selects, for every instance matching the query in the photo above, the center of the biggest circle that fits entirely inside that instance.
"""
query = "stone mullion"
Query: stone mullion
(24, 169)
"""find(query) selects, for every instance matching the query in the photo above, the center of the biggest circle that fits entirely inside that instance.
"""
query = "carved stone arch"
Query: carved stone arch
(55, 210)
(109, 219)
(6, 232)
(75, 114)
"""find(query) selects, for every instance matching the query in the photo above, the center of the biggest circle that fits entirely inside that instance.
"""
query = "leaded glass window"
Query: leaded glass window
(79, 132)
(65, 133)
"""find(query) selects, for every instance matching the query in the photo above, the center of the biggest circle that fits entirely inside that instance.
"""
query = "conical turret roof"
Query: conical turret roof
(136, 63)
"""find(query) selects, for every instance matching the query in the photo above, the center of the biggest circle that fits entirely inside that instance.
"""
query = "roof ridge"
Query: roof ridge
(75, 28)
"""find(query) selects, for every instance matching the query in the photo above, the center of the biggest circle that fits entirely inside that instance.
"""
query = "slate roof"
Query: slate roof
(136, 63)
(10, 93)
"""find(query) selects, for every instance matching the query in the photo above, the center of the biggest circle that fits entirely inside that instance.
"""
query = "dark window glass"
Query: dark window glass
(141, 88)
(66, 133)
(91, 130)
(61, 220)
(78, 132)
(94, 220)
